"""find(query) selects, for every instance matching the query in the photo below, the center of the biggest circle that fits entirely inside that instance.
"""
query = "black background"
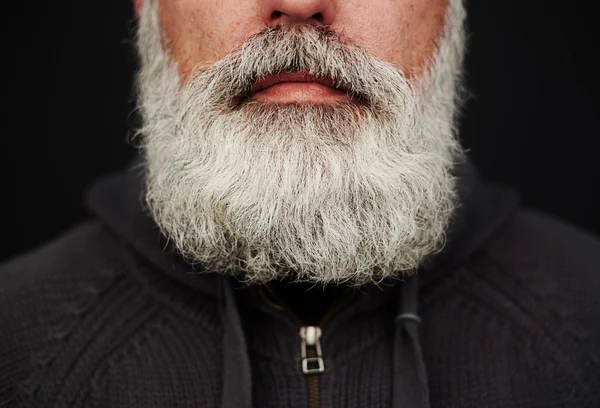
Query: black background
(531, 122)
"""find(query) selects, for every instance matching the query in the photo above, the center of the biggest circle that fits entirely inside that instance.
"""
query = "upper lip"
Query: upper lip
(301, 76)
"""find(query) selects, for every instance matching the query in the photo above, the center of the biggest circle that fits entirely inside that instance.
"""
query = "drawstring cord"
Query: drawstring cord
(410, 377)
(237, 377)
(410, 388)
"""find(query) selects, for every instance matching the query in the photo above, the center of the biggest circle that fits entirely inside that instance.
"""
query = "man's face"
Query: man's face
(402, 32)
(345, 178)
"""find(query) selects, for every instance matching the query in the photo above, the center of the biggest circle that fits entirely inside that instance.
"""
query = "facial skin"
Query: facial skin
(402, 32)
(348, 178)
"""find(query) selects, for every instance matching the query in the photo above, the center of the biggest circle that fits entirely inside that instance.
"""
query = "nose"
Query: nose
(316, 12)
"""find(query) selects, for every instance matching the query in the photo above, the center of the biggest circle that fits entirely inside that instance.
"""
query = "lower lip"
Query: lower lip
(300, 92)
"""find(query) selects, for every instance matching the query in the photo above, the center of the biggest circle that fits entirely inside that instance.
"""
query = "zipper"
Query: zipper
(313, 363)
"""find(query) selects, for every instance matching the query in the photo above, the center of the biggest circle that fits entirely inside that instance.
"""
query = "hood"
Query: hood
(117, 200)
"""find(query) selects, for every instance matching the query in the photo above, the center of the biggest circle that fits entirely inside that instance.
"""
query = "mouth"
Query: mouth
(298, 87)
(293, 77)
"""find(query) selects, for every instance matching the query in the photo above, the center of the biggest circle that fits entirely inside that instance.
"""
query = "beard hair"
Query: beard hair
(349, 193)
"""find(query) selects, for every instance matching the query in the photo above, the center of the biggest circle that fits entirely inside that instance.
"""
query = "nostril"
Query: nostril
(275, 15)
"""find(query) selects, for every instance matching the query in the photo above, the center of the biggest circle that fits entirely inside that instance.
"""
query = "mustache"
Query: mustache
(318, 51)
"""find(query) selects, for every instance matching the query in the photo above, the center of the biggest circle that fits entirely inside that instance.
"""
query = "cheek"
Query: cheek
(137, 4)
(406, 32)
(418, 34)
(193, 34)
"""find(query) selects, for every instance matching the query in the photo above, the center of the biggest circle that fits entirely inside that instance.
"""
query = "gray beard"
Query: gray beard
(351, 193)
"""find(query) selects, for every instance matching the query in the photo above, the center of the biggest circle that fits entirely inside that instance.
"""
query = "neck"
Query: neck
(308, 301)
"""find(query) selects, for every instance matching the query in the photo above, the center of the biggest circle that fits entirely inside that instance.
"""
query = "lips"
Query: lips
(270, 80)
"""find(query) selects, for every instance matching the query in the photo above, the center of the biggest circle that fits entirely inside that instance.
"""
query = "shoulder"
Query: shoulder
(549, 270)
(535, 243)
(80, 261)
(86, 245)
(43, 295)
(79, 308)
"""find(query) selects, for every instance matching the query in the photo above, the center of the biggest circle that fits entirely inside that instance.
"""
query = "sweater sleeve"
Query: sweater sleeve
(43, 295)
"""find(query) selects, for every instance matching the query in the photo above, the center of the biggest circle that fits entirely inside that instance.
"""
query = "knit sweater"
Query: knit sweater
(107, 315)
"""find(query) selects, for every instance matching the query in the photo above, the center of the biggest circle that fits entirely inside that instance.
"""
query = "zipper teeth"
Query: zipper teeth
(344, 301)
(346, 298)
(269, 302)
(314, 400)
(278, 307)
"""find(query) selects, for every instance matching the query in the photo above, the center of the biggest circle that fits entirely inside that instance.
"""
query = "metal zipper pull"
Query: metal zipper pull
(312, 359)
